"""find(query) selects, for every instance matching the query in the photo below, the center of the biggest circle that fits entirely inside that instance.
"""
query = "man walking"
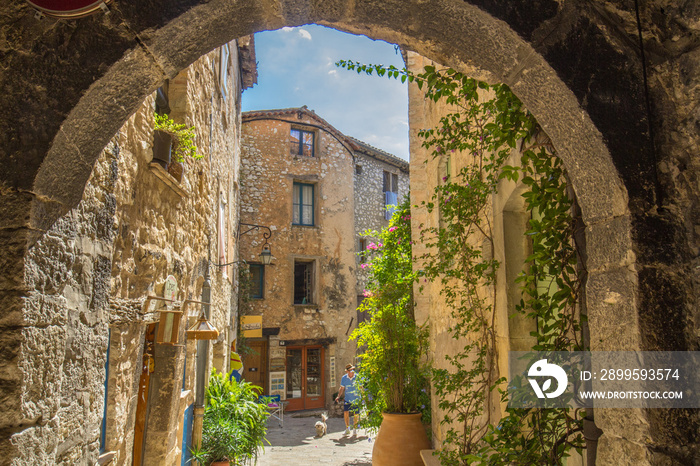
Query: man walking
(347, 388)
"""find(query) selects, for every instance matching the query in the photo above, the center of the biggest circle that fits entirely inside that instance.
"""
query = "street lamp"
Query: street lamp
(266, 252)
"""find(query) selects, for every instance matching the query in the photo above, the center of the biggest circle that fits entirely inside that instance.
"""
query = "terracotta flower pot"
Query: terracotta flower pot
(399, 442)
(221, 463)
(176, 169)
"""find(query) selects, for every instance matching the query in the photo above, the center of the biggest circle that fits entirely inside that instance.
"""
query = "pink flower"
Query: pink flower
(367, 294)
(372, 246)
(380, 245)
(364, 266)
(444, 178)
(392, 228)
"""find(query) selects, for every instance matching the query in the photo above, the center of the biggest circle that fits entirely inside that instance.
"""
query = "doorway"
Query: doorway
(147, 368)
(255, 364)
(305, 378)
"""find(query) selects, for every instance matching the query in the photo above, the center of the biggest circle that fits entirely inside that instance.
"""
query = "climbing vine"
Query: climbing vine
(484, 125)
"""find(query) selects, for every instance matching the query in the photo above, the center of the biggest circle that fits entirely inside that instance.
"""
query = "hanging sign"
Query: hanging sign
(169, 322)
(170, 288)
(251, 326)
(69, 9)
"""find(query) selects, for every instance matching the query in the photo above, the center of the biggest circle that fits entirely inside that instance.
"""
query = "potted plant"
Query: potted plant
(393, 378)
(234, 424)
(172, 143)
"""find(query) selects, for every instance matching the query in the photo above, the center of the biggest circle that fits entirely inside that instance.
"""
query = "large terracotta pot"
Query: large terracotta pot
(221, 463)
(399, 442)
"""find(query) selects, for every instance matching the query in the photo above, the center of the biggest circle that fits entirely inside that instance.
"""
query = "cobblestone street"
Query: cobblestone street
(296, 443)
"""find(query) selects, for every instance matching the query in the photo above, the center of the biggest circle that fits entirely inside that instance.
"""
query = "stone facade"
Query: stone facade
(371, 168)
(89, 276)
(328, 241)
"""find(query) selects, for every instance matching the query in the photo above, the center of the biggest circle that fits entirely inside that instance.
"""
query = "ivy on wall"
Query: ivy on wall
(484, 125)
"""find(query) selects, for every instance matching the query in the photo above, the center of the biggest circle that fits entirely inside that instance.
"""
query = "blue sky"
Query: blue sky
(296, 66)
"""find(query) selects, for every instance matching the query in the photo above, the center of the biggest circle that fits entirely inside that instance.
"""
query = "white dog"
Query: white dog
(321, 426)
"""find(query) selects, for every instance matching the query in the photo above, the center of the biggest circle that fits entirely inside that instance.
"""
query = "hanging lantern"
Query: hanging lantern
(266, 254)
(202, 330)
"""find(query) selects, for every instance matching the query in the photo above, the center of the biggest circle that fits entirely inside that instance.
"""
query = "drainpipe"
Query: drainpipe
(201, 375)
(591, 433)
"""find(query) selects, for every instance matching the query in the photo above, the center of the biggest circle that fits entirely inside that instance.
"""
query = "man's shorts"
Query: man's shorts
(351, 407)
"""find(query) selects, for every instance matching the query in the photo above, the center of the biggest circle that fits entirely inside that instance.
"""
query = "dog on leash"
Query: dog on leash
(321, 426)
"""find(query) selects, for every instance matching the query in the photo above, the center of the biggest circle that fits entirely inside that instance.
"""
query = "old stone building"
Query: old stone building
(614, 85)
(317, 190)
(381, 180)
(98, 377)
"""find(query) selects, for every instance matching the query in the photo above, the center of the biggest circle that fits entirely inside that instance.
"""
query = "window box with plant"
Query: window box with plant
(172, 144)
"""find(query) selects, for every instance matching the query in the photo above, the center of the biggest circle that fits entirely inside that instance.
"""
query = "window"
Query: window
(162, 100)
(221, 233)
(223, 70)
(303, 195)
(358, 169)
(303, 282)
(301, 143)
(257, 281)
(362, 250)
(391, 193)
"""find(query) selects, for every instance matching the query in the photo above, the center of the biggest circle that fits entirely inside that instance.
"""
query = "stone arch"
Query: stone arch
(521, 45)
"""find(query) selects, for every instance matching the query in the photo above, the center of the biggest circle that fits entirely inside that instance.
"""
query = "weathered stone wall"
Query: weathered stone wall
(169, 228)
(65, 326)
(369, 196)
(92, 271)
(267, 175)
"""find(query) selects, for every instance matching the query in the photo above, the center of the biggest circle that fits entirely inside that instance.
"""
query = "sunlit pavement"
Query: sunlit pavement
(296, 443)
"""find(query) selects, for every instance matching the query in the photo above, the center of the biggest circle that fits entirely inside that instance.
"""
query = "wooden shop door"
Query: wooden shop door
(255, 364)
(147, 368)
(305, 388)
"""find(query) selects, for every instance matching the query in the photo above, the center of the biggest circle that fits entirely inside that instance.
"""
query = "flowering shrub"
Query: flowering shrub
(392, 377)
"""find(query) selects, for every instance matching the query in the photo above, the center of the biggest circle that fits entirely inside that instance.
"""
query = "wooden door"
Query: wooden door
(255, 364)
(305, 372)
(147, 368)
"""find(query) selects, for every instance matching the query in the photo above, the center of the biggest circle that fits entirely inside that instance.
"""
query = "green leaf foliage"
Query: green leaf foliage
(234, 424)
(183, 138)
(488, 122)
(392, 374)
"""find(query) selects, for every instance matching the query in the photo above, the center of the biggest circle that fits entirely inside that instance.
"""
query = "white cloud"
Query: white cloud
(333, 72)
(304, 34)
(287, 29)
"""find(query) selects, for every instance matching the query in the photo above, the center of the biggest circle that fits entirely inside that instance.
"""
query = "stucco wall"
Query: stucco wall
(507, 224)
